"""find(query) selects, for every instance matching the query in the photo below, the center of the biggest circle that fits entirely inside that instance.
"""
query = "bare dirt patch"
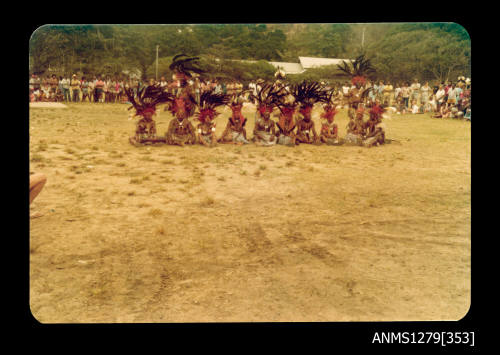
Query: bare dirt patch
(243, 234)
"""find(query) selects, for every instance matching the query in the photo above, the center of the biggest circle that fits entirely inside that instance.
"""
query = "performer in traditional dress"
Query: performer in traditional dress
(374, 128)
(356, 127)
(180, 130)
(329, 129)
(267, 97)
(235, 132)
(145, 106)
(307, 94)
(205, 130)
(185, 68)
(286, 124)
(357, 69)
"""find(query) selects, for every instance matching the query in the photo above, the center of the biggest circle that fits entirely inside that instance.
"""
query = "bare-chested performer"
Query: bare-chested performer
(374, 128)
(235, 132)
(356, 127)
(307, 94)
(205, 130)
(286, 124)
(180, 130)
(267, 97)
(329, 129)
(358, 70)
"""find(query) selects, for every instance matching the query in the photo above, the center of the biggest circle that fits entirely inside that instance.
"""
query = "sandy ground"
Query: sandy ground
(47, 104)
(247, 234)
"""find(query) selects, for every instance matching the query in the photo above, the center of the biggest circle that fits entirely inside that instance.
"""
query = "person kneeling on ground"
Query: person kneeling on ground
(374, 128)
(307, 94)
(206, 128)
(264, 132)
(329, 130)
(235, 132)
(355, 128)
(145, 106)
(286, 124)
(180, 130)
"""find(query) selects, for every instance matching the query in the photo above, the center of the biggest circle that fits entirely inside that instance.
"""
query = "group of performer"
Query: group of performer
(290, 100)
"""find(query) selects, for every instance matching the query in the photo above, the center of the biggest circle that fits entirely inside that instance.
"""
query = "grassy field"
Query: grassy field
(244, 234)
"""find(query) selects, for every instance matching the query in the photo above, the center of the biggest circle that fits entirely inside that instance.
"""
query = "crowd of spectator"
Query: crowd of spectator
(112, 90)
(444, 100)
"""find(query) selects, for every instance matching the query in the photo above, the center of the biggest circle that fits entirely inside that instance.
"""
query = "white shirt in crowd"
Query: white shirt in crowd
(440, 95)
(397, 91)
(345, 90)
(415, 87)
(65, 83)
(452, 93)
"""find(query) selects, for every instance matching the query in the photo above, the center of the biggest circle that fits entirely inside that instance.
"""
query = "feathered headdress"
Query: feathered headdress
(267, 97)
(147, 99)
(376, 111)
(287, 104)
(185, 66)
(307, 94)
(329, 107)
(357, 69)
(209, 101)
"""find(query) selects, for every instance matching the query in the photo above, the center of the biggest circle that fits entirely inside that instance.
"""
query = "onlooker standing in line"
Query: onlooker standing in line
(91, 90)
(440, 94)
(452, 95)
(415, 90)
(424, 93)
(84, 85)
(388, 93)
(75, 88)
(397, 92)
(65, 89)
(405, 94)
(99, 86)
(53, 85)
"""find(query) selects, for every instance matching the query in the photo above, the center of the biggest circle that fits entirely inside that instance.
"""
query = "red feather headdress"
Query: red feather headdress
(209, 101)
(376, 111)
(147, 99)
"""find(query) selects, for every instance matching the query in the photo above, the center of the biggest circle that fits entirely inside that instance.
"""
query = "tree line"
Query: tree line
(398, 51)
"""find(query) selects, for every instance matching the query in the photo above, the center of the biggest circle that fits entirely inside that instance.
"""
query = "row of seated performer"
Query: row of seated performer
(286, 131)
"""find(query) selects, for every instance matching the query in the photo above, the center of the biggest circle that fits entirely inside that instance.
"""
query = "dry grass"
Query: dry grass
(309, 233)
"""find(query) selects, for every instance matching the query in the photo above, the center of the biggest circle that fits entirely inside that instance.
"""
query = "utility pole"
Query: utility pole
(363, 38)
(157, 46)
